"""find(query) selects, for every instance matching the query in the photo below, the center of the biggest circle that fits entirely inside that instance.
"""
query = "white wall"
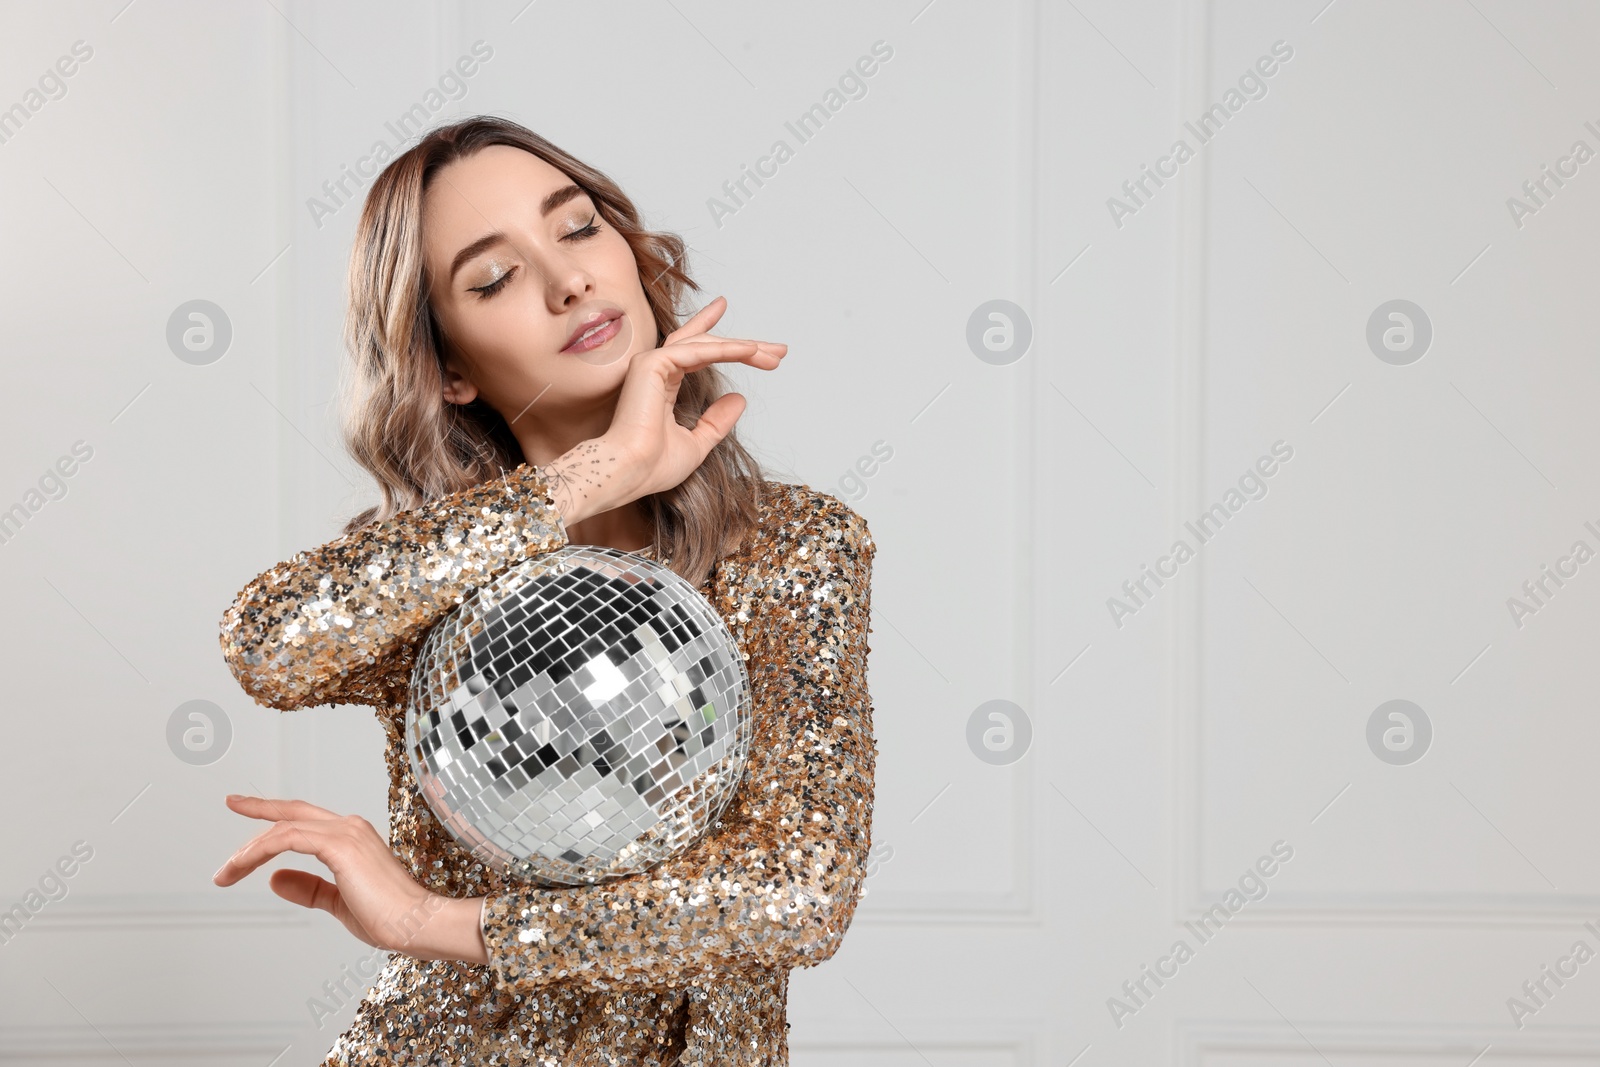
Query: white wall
(1170, 747)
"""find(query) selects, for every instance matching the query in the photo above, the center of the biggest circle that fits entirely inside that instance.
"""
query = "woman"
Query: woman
(522, 384)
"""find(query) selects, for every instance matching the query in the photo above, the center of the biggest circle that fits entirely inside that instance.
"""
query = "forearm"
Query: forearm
(318, 628)
(669, 925)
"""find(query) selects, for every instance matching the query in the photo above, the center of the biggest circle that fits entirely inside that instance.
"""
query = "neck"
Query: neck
(546, 435)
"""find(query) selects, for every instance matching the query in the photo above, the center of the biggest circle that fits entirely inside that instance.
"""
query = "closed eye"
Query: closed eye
(486, 291)
(583, 233)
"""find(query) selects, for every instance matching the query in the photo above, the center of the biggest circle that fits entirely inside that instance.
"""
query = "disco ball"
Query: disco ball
(582, 716)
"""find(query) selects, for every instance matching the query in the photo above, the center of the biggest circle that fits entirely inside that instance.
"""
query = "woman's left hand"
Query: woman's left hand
(372, 893)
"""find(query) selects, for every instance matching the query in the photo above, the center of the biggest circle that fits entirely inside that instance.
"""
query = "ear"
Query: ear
(458, 389)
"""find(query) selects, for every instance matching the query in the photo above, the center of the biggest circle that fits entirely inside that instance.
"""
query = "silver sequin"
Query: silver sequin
(687, 963)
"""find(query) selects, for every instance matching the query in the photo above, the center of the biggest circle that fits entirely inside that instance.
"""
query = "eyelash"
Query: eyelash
(583, 233)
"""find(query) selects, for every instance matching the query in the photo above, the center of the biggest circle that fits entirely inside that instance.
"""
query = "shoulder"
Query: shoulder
(797, 520)
(810, 558)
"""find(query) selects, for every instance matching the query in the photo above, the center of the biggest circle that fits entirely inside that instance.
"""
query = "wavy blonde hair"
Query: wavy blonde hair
(419, 446)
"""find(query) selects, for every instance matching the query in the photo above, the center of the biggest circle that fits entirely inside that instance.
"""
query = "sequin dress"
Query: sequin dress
(687, 963)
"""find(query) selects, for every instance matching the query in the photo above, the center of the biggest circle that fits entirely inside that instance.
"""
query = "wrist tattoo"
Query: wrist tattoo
(577, 471)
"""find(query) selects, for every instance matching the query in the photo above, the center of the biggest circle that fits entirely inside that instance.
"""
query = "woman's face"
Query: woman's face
(521, 263)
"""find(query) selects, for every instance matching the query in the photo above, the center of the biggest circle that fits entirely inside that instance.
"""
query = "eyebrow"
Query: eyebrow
(489, 240)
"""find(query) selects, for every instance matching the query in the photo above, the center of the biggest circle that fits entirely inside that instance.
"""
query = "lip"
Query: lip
(609, 315)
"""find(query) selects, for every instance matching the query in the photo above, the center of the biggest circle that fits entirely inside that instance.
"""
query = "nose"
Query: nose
(567, 284)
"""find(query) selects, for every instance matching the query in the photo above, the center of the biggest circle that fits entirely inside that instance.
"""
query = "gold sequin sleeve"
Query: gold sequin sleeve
(332, 625)
(775, 884)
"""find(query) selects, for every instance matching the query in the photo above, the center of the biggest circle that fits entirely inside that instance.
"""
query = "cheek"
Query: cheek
(500, 342)
(615, 261)
(620, 273)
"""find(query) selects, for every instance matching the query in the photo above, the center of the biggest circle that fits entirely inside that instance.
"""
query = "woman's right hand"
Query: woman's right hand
(646, 451)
